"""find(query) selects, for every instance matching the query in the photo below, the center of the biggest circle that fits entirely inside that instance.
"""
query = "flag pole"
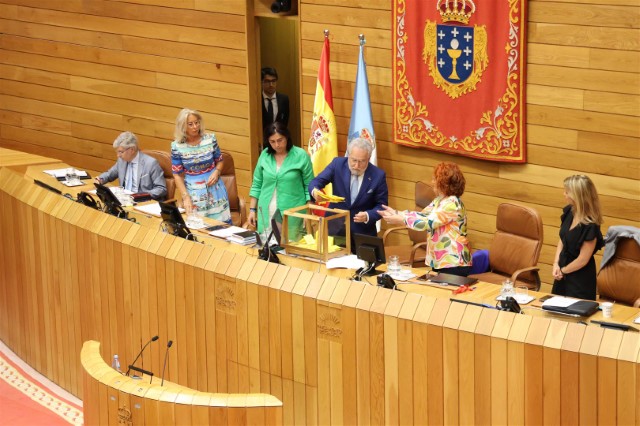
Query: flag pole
(362, 39)
(326, 33)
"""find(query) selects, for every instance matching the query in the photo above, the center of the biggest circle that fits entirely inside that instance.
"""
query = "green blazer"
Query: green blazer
(291, 182)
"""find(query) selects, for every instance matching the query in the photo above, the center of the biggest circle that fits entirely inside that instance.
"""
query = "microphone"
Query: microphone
(265, 252)
(143, 372)
(262, 217)
(153, 339)
(169, 343)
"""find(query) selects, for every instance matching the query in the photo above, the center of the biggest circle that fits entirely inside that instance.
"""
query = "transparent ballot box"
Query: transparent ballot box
(317, 232)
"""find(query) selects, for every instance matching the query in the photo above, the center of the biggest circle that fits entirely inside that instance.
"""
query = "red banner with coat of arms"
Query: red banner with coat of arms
(458, 77)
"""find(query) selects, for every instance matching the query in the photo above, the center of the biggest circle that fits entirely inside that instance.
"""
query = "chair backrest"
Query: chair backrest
(517, 241)
(424, 194)
(228, 176)
(619, 279)
(164, 159)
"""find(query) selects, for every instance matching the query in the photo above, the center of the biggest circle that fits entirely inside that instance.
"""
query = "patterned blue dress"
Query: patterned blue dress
(197, 163)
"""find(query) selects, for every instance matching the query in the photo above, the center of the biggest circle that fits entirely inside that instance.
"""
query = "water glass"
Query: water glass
(71, 176)
(507, 289)
(607, 309)
(393, 265)
(522, 293)
(126, 200)
(194, 220)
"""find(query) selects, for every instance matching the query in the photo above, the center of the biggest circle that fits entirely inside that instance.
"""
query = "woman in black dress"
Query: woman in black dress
(574, 268)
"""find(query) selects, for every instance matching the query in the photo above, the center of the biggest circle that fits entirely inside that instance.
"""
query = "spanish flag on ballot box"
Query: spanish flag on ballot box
(323, 141)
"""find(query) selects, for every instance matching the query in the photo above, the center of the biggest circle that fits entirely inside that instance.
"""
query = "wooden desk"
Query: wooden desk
(19, 161)
(37, 172)
(332, 350)
(112, 398)
(486, 293)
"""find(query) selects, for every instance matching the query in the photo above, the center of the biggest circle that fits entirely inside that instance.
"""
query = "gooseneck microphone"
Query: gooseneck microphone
(153, 339)
(169, 343)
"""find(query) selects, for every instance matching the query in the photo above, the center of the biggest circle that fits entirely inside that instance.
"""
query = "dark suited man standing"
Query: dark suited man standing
(362, 185)
(275, 106)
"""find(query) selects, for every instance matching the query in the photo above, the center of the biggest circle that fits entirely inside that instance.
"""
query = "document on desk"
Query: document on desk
(569, 306)
(124, 191)
(60, 173)
(348, 262)
(226, 232)
(559, 302)
(152, 209)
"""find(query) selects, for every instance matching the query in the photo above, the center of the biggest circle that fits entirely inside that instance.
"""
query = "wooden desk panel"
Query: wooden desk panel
(395, 357)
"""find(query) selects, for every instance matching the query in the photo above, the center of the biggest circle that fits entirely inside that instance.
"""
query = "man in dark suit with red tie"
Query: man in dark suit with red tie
(363, 186)
(275, 106)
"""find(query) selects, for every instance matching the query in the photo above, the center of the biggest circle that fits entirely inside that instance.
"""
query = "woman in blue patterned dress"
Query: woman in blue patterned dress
(196, 162)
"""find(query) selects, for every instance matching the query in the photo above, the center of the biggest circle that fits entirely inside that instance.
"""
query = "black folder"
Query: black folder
(583, 308)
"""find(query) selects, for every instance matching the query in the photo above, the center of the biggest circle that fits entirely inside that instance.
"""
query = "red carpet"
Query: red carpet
(24, 400)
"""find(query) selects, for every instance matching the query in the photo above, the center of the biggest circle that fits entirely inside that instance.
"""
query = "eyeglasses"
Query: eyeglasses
(193, 124)
(357, 162)
(122, 151)
(269, 82)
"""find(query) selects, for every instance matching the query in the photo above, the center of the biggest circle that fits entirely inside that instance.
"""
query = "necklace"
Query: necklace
(194, 143)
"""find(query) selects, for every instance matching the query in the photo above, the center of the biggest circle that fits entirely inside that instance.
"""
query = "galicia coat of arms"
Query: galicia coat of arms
(455, 53)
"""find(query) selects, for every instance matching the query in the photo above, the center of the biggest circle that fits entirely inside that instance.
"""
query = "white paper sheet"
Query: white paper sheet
(226, 232)
(77, 183)
(348, 262)
(57, 173)
(559, 301)
(152, 208)
(403, 275)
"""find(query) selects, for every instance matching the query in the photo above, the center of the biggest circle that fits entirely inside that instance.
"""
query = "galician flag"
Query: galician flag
(323, 142)
(361, 125)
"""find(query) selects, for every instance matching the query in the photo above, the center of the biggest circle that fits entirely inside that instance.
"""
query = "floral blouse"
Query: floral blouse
(446, 220)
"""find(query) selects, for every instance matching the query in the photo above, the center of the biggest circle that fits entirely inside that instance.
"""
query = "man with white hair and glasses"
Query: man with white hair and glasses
(362, 185)
(136, 171)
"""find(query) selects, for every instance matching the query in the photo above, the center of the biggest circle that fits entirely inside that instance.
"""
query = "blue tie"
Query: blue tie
(354, 188)
(128, 184)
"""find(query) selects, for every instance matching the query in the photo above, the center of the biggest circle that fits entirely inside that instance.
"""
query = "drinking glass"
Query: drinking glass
(393, 264)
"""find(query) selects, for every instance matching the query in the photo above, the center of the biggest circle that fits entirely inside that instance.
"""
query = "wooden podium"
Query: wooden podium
(113, 398)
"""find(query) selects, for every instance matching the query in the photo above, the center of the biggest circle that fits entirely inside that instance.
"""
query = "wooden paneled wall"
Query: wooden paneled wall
(583, 109)
(75, 73)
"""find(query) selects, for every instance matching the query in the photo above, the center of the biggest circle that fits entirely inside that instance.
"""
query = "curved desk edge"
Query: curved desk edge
(110, 396)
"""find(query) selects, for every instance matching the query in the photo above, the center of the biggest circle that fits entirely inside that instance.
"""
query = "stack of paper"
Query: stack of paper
(226, 232)
(62, 173)
(244, 238)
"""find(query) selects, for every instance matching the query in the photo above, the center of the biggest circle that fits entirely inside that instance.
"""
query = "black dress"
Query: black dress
(580, 283)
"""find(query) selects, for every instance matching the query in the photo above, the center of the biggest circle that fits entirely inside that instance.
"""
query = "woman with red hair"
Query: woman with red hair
(445, 219)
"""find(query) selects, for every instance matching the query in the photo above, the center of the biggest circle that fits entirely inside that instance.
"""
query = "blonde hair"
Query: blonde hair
(582, 191)
(180, 132)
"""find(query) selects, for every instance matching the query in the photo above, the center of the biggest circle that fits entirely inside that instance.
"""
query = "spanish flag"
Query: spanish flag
(323, 142)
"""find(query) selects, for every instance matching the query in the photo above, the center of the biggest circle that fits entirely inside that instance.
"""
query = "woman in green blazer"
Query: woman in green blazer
(280, 179)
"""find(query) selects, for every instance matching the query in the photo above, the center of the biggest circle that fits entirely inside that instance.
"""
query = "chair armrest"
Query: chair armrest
(390, 230)
(534, 269)
(413, 251)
